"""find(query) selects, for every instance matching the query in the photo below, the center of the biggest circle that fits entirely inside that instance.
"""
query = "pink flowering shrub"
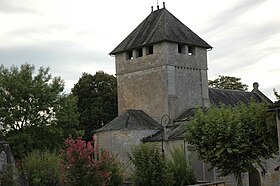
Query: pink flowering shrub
(84, 165)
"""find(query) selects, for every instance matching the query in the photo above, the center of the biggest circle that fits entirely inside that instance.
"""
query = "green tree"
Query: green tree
(29, 103)
(233, 139)
(150, 166)
(228, 82)
(67, 116)
(97, 100)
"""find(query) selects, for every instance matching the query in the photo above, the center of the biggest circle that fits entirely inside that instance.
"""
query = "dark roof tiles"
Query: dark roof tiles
(160, 25)
(131, 120)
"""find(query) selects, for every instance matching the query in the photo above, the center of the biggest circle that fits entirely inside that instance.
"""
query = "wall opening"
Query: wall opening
(129, 55)
(254, 178)
(181, 49)
(139, 52)
(150, 50)
(191, 50)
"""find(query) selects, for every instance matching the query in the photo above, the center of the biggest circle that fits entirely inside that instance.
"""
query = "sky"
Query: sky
(72, 37)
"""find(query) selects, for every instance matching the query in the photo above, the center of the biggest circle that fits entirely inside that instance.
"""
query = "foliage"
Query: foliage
(233, 139)
(29, 103)
(67, 117)
(97, 100)
(7, 178)
(228, 82)
(27, 99)
(150, 165)
(41, 168)
(181, 169)
(84, 165)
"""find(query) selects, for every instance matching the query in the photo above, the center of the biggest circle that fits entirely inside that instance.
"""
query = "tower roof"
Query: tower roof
(160, 25)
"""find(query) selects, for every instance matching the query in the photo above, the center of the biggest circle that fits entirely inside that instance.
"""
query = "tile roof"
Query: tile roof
(217, 97)
(226, 97)
(132, 120)
(160, 25)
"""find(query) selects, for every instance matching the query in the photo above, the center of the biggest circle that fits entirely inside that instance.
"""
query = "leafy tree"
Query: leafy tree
(97, 100)
(29, 103)
(233, 139)
(228, 82)
(150, 166)
(67, 116)
(181, 168)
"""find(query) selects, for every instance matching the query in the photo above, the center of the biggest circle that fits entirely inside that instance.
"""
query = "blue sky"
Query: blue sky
(72, 37)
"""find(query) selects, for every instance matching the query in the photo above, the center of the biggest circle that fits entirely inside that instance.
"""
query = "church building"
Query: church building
(161, 70)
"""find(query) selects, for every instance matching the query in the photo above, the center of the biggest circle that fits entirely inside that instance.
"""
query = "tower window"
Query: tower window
(191, 50)
(139, 52)
(150, 50)
(129, 55)
(181, 49)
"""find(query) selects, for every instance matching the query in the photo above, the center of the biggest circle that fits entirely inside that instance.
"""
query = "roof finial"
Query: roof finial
(163, 4)
(157, 5)
(152, 8)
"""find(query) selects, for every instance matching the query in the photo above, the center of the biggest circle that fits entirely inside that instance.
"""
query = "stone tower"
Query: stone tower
(161, 67)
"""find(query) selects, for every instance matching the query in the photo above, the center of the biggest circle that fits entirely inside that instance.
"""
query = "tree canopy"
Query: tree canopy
(96, 100)
(228, 82)
(27, 99)
(32, 109)
(233, 139)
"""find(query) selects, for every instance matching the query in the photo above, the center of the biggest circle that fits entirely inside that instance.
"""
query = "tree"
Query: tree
(97, 100)
(150, 166)
(67, 116)
(228, 82)
(233, 139)
(29, 103)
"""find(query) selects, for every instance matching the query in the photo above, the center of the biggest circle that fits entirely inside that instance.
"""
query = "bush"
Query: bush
(41, 168)
(181, 169)
(7, 178)
(150, 166)
(84, 165)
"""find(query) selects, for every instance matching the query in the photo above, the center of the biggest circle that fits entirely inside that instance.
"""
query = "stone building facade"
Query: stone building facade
(161, 70)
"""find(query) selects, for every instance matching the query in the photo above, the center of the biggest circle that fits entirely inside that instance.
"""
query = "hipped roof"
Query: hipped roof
(160, 25)
(132, 120)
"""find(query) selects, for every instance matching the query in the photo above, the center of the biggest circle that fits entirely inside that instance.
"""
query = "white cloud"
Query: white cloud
(74, 36)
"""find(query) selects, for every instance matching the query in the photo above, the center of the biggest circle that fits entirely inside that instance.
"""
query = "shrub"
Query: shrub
(7, 178)
(41, 168)
(181, 169)
(150, 166)
(84, 165)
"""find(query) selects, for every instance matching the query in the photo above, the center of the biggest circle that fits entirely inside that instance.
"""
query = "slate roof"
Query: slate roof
(132, 120)
(233, 97)
(160, 25)
(217, 97)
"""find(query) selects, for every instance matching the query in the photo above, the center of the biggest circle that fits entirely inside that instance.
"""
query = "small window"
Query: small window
(181, 49)
(129, 55)
(191, 50)
(150, 50)
(139, 52)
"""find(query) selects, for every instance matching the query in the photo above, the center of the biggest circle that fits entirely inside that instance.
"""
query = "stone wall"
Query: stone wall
(119, 142)
(165, 82)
